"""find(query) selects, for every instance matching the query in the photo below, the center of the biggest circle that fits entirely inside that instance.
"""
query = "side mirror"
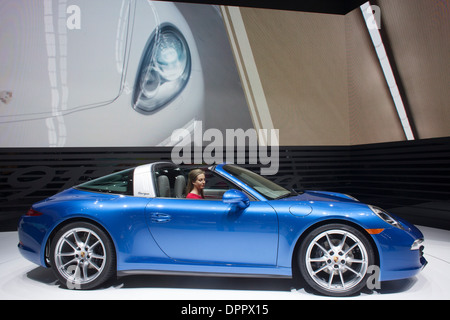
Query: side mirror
(236, 197)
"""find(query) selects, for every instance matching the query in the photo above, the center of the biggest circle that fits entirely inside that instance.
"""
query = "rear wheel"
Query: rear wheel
(334, 259)
(82, 256)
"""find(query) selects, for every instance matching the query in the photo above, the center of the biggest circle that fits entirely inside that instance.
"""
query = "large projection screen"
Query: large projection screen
(114, 73)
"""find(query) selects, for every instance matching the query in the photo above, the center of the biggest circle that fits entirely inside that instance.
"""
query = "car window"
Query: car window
(171, 182)
(116, 183)
(216, 186)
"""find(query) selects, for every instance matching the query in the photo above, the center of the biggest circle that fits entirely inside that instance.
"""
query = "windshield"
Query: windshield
(267, 188)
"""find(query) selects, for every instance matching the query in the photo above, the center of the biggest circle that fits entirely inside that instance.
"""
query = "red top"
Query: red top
(193, 196)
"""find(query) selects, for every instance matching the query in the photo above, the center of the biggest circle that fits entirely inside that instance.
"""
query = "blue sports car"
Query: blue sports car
(242, 224)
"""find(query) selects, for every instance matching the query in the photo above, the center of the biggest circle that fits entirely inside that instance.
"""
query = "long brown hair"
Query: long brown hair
(192, 177)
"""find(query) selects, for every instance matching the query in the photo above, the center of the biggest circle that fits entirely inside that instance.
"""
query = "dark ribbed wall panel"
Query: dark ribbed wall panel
(409, 173)
(412, 179)
(32, 174)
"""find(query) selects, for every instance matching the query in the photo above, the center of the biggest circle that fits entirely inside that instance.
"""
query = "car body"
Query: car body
(139, 221)
(134, 64)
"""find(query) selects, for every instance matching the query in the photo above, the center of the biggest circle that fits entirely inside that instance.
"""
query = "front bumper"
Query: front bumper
(401, 252)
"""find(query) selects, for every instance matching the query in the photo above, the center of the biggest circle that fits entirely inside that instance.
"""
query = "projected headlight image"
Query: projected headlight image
(130, 70)
(164, 70)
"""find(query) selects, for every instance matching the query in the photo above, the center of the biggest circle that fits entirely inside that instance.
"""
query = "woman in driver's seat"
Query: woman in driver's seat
(195, 184)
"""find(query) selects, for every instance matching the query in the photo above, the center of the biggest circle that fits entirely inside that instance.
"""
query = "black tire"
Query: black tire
(82, 256)
(333, 260)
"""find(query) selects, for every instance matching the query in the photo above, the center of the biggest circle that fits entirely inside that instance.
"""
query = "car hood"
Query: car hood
(311, 195)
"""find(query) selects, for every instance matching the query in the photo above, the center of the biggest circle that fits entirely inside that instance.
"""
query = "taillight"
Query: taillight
(33, 213)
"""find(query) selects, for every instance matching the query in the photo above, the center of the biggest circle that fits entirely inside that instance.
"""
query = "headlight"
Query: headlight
(164, 70)
(386, 217)
(418, 244)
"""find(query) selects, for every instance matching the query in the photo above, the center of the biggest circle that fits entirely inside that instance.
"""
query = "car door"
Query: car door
(213, 232)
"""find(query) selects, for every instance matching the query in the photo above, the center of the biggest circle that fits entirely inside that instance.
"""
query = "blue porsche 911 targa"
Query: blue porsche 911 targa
(241, 224)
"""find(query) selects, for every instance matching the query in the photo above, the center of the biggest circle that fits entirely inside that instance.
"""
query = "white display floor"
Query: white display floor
(20, 279)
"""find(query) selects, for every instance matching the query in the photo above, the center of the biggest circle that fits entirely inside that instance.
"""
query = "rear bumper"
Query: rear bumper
(29, 254)
(31, 240)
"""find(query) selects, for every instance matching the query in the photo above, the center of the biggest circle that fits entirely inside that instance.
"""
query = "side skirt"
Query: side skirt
(123, 273)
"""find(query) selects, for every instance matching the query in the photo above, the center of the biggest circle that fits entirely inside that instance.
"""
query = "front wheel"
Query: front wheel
(334, 259)
(82, 256)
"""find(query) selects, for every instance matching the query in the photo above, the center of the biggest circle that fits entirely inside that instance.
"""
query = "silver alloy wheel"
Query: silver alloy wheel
(336, 260)
(80, 256)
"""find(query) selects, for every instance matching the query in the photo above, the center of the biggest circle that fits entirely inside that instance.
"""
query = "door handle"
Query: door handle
(160, 217)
